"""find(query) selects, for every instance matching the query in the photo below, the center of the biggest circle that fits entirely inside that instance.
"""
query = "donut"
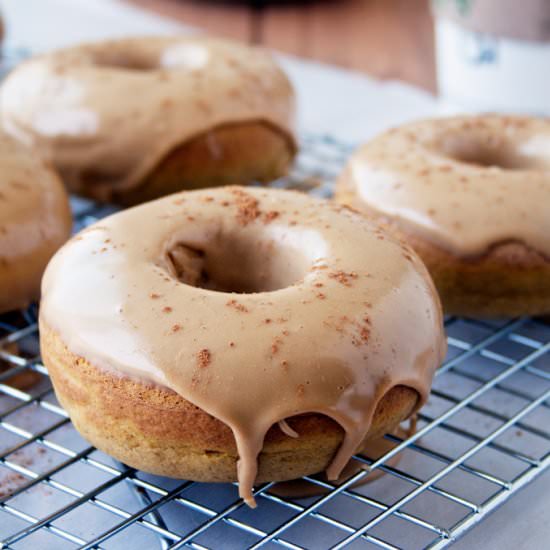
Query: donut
(471, 194)
(133, 119)
(35, 220)
(257, 335)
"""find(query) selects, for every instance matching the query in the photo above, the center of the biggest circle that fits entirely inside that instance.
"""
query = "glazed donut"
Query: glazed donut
(35, 220)
(261, 325)
(471, 195)
(133, 119)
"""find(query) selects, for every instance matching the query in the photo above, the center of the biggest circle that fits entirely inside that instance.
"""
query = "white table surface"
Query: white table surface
(367, 107)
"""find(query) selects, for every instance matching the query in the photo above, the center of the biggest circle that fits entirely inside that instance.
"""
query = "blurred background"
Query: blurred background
(474, 55)
(385, 38)
(479, 54)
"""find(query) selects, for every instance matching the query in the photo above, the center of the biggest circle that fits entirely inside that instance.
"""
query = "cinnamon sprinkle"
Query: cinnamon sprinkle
(275, 345)
(247, 207)
(236, 305)
(204, 358)
(343, 277)
(270, 216)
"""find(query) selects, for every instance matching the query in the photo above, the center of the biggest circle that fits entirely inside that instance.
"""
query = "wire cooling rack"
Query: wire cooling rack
(483, 434)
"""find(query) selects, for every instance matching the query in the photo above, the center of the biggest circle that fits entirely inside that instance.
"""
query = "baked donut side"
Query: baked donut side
(154, 429)
(35, 220)
(231, 154)
(132, 119)
(509, 280)
(470, 195)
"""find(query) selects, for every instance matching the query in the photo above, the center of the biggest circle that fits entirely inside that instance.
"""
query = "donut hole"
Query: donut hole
(240, 262)
(490, 152)
(125, 60)
(489, 158)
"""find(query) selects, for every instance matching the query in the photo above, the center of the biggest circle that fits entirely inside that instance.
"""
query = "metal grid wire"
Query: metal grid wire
(483, 434)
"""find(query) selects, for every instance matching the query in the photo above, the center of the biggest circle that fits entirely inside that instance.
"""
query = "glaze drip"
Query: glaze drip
(316, 326)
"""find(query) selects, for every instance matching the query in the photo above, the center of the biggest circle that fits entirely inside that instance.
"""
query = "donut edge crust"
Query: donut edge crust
(228, 154)
(509, 280)
(153, 429)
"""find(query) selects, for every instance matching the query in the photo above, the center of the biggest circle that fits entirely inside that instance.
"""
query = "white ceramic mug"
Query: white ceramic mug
(493, 55)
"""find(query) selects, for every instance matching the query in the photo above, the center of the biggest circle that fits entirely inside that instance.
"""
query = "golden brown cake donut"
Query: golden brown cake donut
(238, 334)
(35, 220)
(471, 195)
(132, 119)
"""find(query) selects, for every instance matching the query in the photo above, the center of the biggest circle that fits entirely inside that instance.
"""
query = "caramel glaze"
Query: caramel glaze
(35, 220)
(465, 183)
(255, 306)
(109, 112)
